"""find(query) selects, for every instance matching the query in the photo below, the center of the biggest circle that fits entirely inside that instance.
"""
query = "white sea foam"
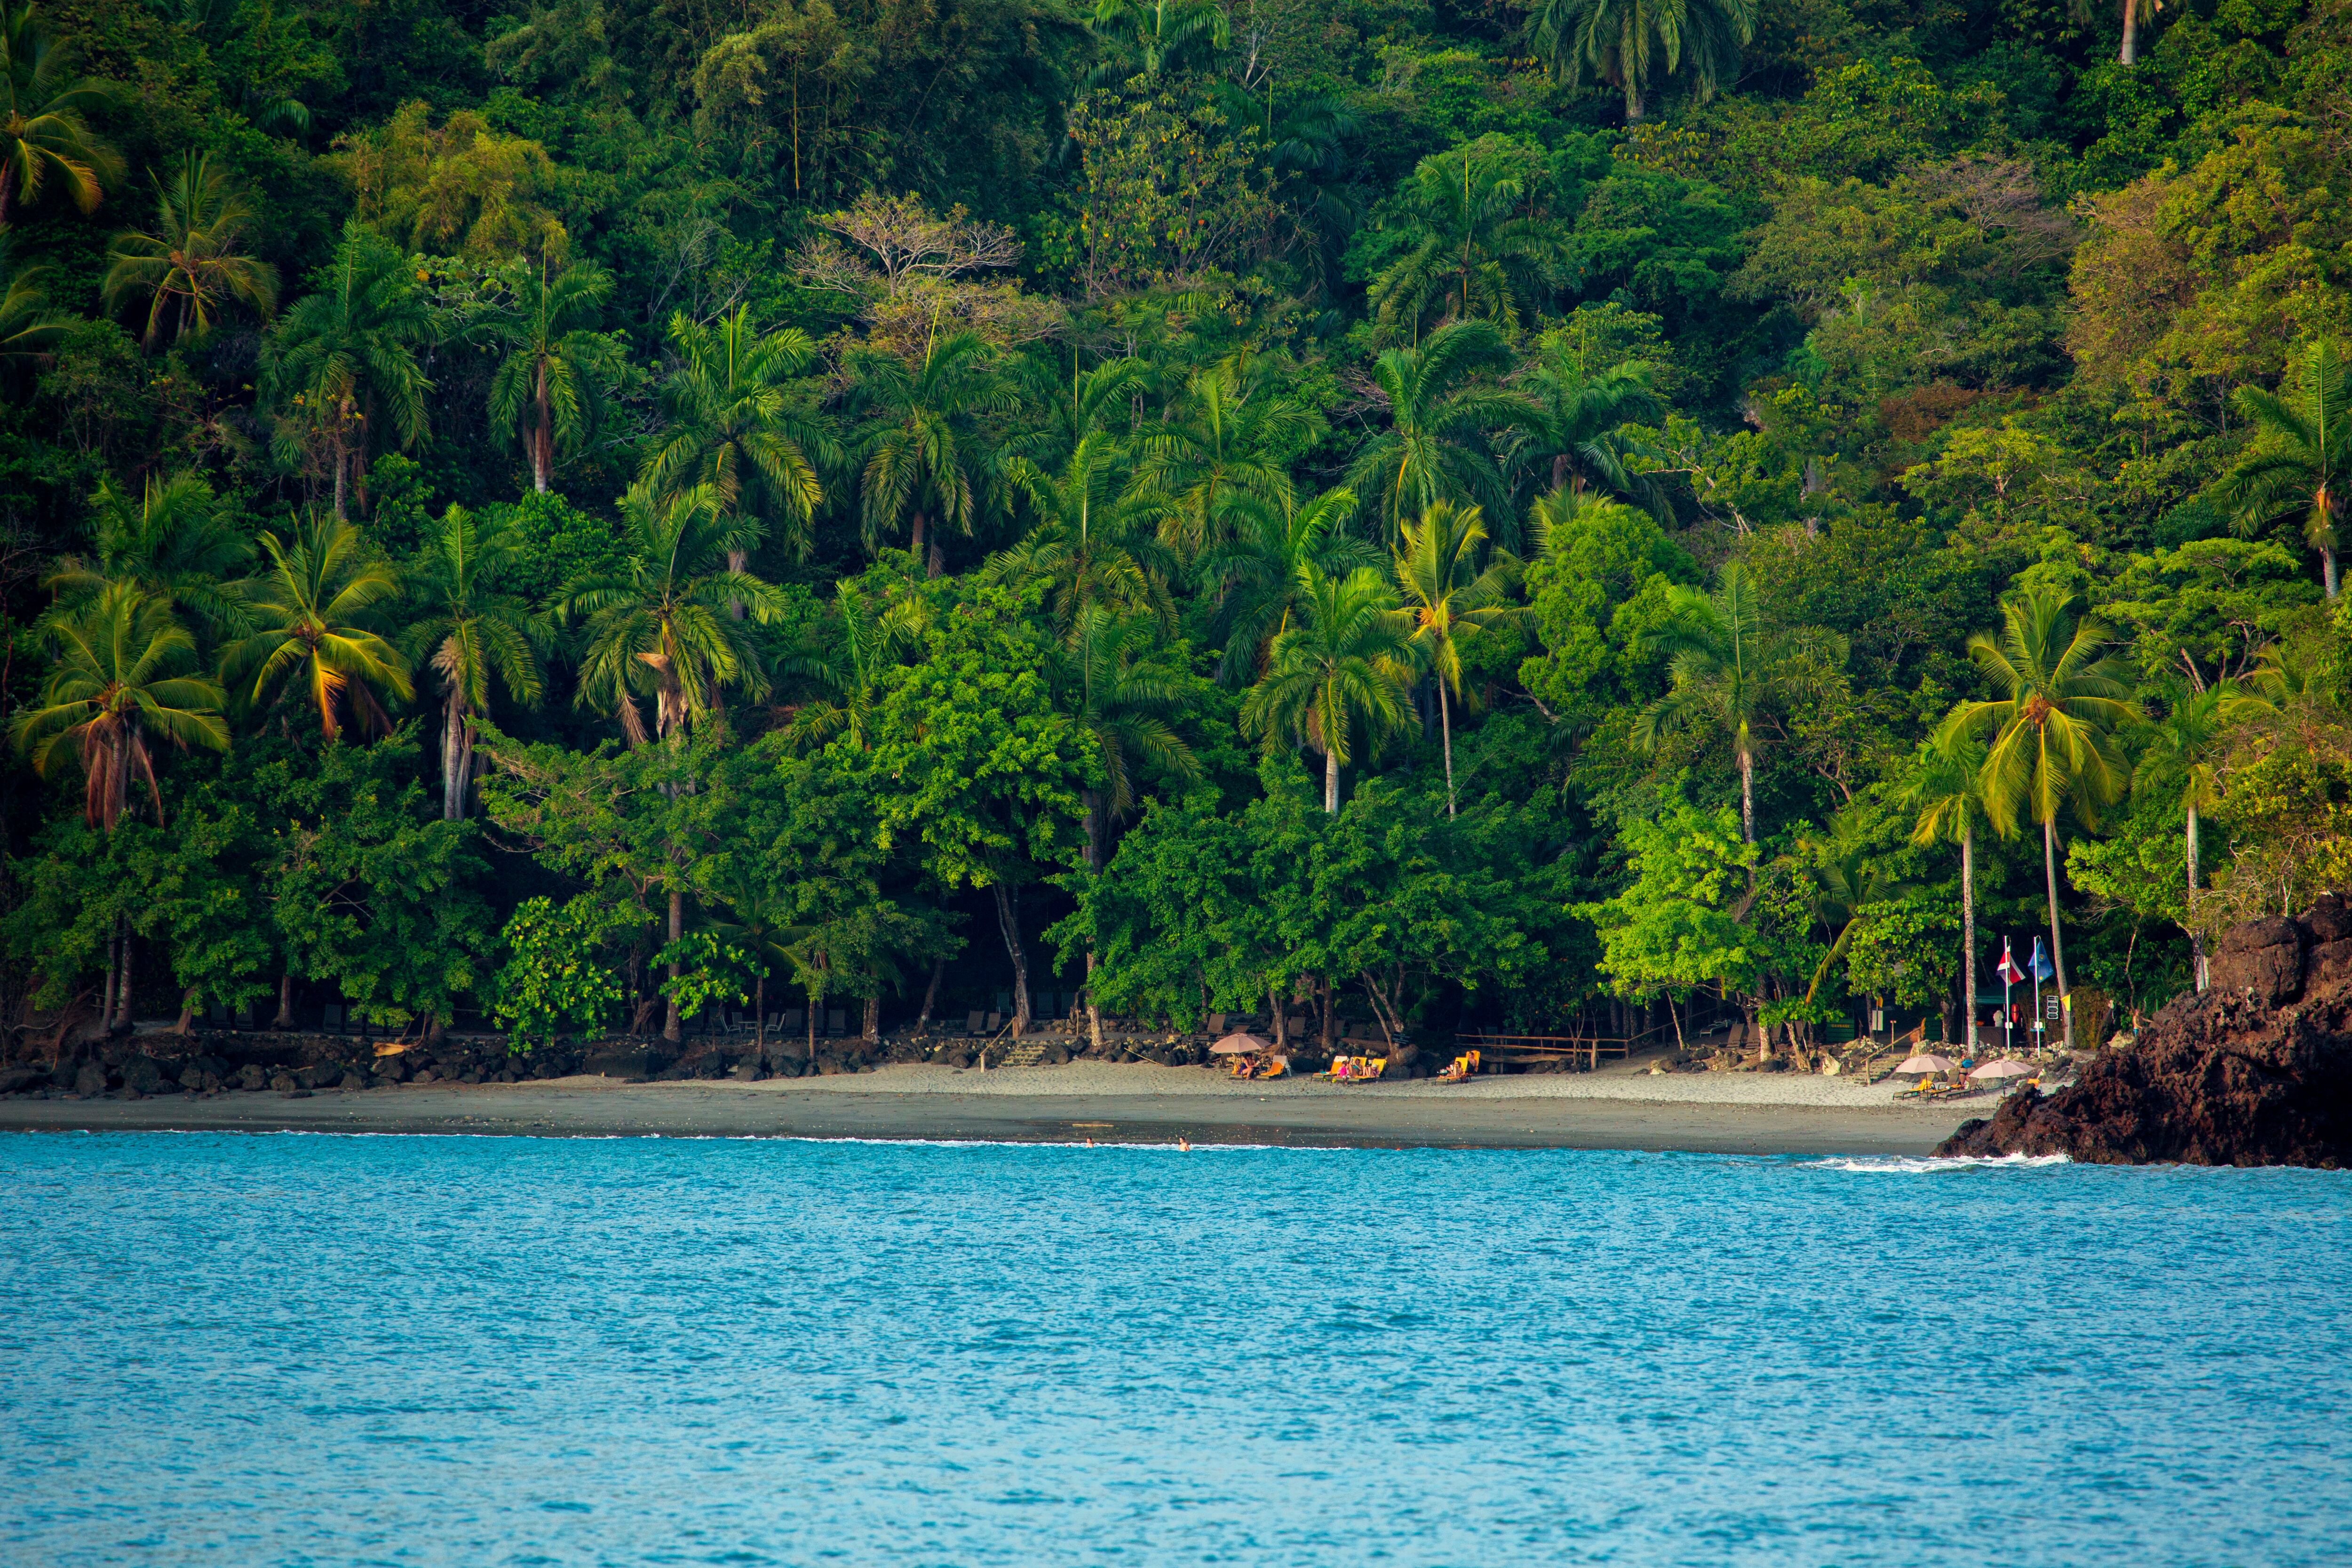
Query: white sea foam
(1927, 1165)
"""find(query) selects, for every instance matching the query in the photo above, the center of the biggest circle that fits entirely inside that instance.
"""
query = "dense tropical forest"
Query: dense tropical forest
(567, 513)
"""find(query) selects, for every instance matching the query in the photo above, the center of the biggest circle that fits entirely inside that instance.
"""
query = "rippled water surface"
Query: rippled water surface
(258, 1350)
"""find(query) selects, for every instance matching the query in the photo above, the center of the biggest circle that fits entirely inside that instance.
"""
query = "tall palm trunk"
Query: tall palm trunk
(453, 768)
(1968, 935)
(2057, 941)
(2327, 569)
(1446, 728)
(676, 930)
(2196, 932)
(2130, 53)
(759, 1024)
(1331, 782)
(542, 439)
(1008, 920)
(1747, 793)
(342, 455)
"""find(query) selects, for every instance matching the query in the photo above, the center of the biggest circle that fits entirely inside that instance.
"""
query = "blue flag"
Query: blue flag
(2041, 970)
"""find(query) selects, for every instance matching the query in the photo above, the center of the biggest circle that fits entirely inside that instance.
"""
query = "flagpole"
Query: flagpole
(2008, 1012)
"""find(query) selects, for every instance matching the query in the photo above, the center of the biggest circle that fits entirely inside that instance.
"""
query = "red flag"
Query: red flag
(2009, 974)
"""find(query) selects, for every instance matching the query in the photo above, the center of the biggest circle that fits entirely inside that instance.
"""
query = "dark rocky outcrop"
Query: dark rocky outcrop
(2255, 1071)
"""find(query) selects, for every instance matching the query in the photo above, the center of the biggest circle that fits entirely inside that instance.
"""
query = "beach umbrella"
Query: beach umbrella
(1238, 1045)
(2005, 1067)
(1927, 1064)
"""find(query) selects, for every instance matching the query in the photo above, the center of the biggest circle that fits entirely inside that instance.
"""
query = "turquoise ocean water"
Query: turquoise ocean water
(265, 1350)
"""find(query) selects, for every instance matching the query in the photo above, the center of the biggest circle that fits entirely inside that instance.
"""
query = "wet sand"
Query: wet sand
(1057, 1105)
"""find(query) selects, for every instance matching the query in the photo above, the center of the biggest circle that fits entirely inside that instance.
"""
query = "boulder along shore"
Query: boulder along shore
(2256, 1071)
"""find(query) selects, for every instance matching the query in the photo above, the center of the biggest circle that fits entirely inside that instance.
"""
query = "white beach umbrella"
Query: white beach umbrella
(1926, 1064)
(1238, 1045)
(2007, 1066)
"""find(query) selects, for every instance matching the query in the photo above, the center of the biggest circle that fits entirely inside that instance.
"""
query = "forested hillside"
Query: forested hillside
(569, 512)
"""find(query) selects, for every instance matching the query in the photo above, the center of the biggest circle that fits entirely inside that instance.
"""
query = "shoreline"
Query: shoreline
(1764, 1114)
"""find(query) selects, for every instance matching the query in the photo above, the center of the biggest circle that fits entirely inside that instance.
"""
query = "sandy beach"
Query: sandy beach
(1615, 1108)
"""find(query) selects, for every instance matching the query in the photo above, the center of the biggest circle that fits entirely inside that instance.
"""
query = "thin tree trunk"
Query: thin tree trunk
(2327, 569)
(2130, 55)
(937, 565)
(1332, 784)
(1008, 920)
(340, 459)
(759, 1024)
(1095, 828)
(1748, 794)
(542, 442)
(1969, 934)
(676, 930)
(931, 993)
(187, 1013)
(915, 535)
(872, 1028)
(2057, 941)
(1331, 1017)
(113, 979)
(1281, 1019)
(2196, 933)
(285, 1019)
(1446, 727)
(127, 1023)
(813, 1004)
(453, 794)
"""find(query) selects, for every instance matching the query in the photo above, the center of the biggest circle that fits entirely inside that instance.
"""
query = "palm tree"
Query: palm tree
(859, 643)
(29, 329)
(1123, 701)
(1254, 578)
(347, 353)
(1576, 417)
(193, 264)
(1229, 438)
(171, 542)
(320, 608)
(45, 123)
(1478, 251)
(1156, 36)
(1345, 660)
(1450, 598)
(546, 387)
(1947, 791)
(2190, 736)
(122, 673)
(733, 429)
(1636, 45)
(926, 438)
(1728, 668)
(2052, 743)
(469, 632)
(1064, 413)
(1094, 541)
(668, 628)
(2302, 456)
(1439, 417)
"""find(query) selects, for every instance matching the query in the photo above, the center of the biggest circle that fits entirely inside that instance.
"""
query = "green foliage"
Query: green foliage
(553, 983)
(1821, 380)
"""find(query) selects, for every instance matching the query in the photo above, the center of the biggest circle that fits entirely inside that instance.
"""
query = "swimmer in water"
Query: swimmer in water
(1182, 1146)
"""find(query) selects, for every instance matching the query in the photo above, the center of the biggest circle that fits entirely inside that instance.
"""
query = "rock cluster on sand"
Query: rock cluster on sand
(212, 1061)
(2257, 1070)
